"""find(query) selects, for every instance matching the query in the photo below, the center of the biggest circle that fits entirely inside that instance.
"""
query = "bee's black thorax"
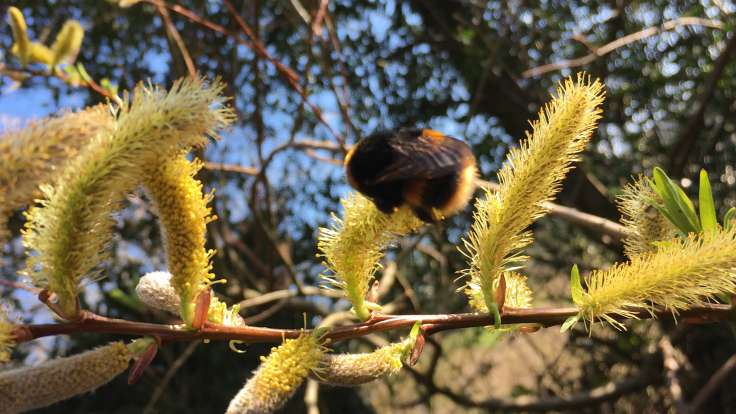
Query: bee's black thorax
(428, 171)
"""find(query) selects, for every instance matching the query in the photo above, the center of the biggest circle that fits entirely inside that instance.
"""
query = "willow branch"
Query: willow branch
(90, 322)
(19, 73)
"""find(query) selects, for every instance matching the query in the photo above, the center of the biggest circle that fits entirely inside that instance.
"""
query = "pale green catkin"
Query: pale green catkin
(279, 376)
(67, 235)
(29, 388)
(530, 177)
(681, 273)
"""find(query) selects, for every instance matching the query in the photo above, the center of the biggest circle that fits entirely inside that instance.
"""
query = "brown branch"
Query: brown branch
(619, 43)
(712, 385)
(671, 367)
(288, 74)
(16, 73)
(90, 322)
(173, 369)
(176, 37)
(317, 22)
(596, 396)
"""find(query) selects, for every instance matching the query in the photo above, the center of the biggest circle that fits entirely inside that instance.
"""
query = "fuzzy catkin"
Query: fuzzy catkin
(681, 273)
(353, 246)
(29, 388)
(66, 236)
(32, 155)
(356, 369)
(279, 376)
(183, 216)
(155, 291)
(530, 177)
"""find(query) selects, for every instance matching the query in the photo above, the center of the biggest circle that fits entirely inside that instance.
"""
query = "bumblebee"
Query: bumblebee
(432, 173)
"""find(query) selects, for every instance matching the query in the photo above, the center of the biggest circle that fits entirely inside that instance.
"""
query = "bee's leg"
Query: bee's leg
(425, 214)
(385, 206)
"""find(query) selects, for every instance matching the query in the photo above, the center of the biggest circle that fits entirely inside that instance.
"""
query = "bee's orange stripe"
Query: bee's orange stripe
(435, 135)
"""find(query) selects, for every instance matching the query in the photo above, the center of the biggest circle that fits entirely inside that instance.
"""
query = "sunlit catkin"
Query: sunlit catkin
(353, 246)
(183, 215)
(32, 155)
(29, 388)
(531, 175)
(279, 376)
(681, 273)
(356, 369)
(67, 234)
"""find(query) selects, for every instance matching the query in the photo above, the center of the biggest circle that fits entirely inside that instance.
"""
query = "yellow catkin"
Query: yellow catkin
(183, 214)
(67, 43)
(279, 376)
(66, 236)
(644, 224)
(683, 272)
(531, 176)
(353, 246)
(29, 388)
(357, 369)
(20, 34)
(7, 341)
(32, 155)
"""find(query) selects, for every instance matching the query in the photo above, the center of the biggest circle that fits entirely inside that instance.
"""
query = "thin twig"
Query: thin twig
(173, 369)
(176, 37)
(621, 42)
(713, 384)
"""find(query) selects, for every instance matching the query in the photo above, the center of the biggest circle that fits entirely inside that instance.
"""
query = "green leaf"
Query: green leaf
(83, 73)
(569, 323)
(707, 209)
(576, 287)
(728, 218)
(676, 203)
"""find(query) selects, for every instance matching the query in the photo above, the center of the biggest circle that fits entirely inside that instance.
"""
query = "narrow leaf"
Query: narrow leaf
(569, 323)
(576, 287)
(673, 203)
(707, 209)
(728, 218)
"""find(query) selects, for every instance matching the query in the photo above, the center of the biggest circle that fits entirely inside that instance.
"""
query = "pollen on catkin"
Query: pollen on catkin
(66, 236)
(7, 341)
(183, 216)
(531, 176)
(32, 155)
(353, 246)
(356, 369)
(681, 273)
(279, 376)
(29, 388)
(644, 224)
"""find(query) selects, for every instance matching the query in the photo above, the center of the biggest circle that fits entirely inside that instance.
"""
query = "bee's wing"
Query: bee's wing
(424, 158)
